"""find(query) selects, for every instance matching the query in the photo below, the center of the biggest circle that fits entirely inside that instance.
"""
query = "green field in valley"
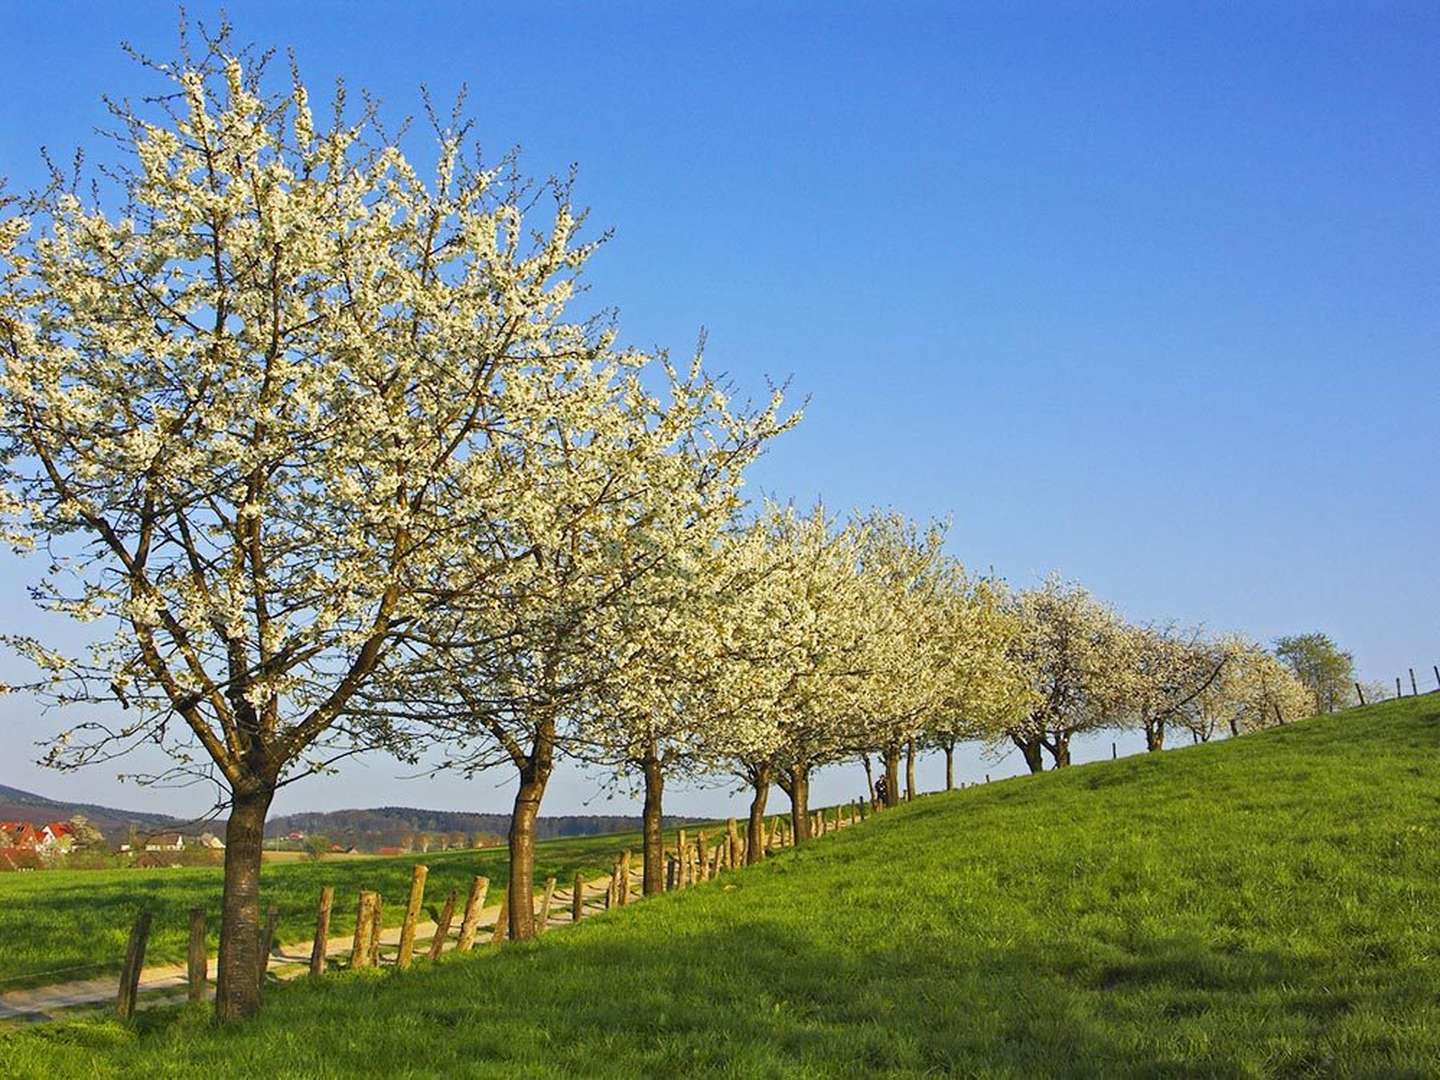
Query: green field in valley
(1265, 906)
(59, 925)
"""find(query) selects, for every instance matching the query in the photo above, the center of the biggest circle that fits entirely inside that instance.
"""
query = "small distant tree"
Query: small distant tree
(315, 846)
(1071, 648)
(86, 834)
(1322, 668)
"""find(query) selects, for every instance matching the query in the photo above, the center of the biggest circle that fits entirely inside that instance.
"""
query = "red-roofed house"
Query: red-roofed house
(58, 836)
(19, 834)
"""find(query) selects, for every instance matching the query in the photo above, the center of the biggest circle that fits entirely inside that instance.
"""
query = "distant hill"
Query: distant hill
(387, 826)
(383, 826)
(115, 824)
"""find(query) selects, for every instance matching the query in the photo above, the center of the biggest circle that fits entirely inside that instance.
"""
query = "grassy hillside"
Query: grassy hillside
(73, 924)
(1265, 906)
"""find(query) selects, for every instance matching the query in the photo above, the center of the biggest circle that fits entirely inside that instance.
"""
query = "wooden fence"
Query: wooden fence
(690, 861)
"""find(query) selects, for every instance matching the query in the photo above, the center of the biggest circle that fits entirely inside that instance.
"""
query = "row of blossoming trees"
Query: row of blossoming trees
(312, 443)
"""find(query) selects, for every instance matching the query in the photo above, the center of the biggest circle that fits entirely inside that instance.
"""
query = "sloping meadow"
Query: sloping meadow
(1263, 906)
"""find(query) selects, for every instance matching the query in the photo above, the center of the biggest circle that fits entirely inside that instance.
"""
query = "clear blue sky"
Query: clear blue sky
(1148, 297)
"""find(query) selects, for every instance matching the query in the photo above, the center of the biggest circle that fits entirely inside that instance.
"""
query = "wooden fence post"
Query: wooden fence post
(502, 920)
(474, 904)
(577, 901)
(1360, 693)
(266, 944)
(442, 928)
(134, 963)
(672, 872)
(1415, 690)
(377, 929)
(360, 949)
(545, 905)
(1397, 686)
(623, 884)
(732, 833)
(322, 931)
(1436, 668)
(702, 852)
(197, 960)
(418, 874)
(681, 851)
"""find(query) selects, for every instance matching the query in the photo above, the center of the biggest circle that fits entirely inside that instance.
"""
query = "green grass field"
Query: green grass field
(60, 925)
(1268, 906)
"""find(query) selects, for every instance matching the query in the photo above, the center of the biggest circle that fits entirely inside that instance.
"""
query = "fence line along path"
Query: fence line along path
(461, 927)
(163, 984)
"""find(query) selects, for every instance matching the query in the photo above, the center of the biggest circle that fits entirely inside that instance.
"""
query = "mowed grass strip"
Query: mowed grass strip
(62, 925)
(1266, 906)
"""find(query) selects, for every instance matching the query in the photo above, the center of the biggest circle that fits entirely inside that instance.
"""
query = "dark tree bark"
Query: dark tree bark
(535, 772)
(237, 992)
(795, 782)
(910, 771)
(1032, 750)
(1155, 735)
(654, 824)
(869, 777)
(1059, 747)
(892, 776)
(755, 829)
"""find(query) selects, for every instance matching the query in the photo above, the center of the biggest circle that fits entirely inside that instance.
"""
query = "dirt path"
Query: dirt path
(166, 983)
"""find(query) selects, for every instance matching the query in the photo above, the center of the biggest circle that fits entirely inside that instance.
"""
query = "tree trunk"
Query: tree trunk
(869, 777)
(534, 775)
(798, 788)
(950, 767)
(755, 829)
(910, 771)
(237, 992)
(892, 776)
(654, 839)
(1060, 749)
(1154, 735)
(1031, 749)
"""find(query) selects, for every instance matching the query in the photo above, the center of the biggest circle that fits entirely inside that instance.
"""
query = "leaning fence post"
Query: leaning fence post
(1397, 686)
(545, 905)
(442, 928)
(1360, 693)
(1415, 690)
(134, 962)
(418, 874)
(1436, 668)
(197, 961)
(364, 930)
(474, 904)
(577, 899)
(502, 920)
(322, 931)
(266, 944)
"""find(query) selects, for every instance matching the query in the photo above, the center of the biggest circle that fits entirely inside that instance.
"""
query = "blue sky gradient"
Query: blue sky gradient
(1146, 294)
